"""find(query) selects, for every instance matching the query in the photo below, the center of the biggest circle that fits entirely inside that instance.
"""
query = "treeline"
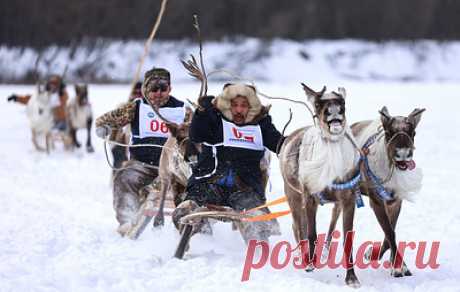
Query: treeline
(39, 23)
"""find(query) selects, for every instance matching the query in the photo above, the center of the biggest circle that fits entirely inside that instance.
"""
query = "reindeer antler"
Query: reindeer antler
(193, 70)
(157, 112)
(311, 92)
(192, 65)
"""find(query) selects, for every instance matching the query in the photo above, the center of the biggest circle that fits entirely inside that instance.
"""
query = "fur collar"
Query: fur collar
(322, 161)
(223, 101)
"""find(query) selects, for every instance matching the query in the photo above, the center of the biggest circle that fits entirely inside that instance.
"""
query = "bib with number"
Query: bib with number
(150, 125)
(248, 137)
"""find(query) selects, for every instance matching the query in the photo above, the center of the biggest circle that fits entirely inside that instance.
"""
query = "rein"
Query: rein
(107, 141)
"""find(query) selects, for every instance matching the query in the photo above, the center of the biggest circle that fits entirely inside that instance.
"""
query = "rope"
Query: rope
(148, 43)
(238, 77)
(107, 141)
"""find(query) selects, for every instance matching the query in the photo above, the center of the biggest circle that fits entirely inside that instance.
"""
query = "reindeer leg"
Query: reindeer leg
(335, 216)
(89, 147)
(73, 136)
(393, 210)
(159, 217)
(299, 225)
(348, 215)
(384, 221)
(311, 209)
(34, 141)
(49, 143)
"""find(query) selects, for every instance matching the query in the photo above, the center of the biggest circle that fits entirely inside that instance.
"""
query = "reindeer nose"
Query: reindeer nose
(333, 109)
(403, 154)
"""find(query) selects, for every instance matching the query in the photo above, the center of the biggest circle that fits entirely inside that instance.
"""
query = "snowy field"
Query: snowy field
(58, 226)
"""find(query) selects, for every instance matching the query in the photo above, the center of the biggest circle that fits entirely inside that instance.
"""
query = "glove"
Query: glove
(103, 131)
(205, 102)
(12, 97)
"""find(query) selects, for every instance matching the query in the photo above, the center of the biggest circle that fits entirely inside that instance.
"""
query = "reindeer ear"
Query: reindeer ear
(385, 116)
(312, 95)
(415, 116)
(342, 92)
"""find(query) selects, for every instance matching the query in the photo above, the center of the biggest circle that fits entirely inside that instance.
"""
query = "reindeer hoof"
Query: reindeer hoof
(397, 273)
(351, 279)
(401, 272)
(89, 149)
(353, 283)
(310, 268)
(407, 273)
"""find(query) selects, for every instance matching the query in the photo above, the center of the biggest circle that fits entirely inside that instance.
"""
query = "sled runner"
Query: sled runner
(147, 211)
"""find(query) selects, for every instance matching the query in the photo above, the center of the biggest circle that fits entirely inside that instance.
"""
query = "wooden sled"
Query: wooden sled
(224, 214)
(147, 211)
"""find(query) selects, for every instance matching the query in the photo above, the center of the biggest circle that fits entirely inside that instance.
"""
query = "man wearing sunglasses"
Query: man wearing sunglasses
(146, 128)
(234, 130)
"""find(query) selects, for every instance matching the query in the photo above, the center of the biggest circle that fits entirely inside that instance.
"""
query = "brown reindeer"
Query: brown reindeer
(313, 158)
(174, 168)
(80, 116)
(391, 159)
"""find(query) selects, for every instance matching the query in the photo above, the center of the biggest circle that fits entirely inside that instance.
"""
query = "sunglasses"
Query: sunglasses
(161, 87)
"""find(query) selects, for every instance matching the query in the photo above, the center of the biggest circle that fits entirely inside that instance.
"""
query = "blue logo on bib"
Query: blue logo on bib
(150, 115)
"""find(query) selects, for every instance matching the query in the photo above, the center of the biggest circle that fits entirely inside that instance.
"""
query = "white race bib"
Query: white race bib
(150, 125)
(248, 137)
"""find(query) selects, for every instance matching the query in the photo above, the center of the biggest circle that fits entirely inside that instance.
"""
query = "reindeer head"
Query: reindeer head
(329, 108)
(187, 148)
(399, 137)
(81, 90)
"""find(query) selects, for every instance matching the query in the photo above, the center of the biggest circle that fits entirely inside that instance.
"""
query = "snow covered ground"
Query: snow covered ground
(58, 227)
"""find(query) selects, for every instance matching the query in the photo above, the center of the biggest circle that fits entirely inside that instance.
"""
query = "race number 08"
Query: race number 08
(156, 126)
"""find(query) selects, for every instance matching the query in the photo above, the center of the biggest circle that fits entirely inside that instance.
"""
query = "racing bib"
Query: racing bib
(150, 125)
(248, 137)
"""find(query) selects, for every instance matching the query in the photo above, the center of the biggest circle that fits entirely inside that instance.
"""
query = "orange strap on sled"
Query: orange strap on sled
(266, 217)
(270, 216)
(272, 203)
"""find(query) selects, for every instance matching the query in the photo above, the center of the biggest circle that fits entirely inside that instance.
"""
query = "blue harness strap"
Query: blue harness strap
(379, 188)
(354, 181)
(348, 185)
(228, 180)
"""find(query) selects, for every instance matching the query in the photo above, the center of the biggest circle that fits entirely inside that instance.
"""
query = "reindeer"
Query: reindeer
(40, 115)
(174, 167)
(80, 116)
(391, 159)
(312, 159)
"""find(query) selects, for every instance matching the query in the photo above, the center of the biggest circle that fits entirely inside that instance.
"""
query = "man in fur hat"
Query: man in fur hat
(234, 129)
(146, 128)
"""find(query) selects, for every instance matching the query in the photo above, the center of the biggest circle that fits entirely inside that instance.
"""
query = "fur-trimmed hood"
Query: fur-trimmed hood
(230, 91)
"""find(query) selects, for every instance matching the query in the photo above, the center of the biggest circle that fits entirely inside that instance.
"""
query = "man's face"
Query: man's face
(239, 107)
(158, 93)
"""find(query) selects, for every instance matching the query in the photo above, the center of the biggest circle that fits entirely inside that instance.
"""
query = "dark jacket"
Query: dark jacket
(149, 154)
(206, 127)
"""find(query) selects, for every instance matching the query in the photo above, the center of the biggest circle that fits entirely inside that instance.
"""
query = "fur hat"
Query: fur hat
(230, 91)
(154, 75)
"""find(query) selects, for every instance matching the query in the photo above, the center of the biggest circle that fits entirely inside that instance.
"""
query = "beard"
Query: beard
(239, 118)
